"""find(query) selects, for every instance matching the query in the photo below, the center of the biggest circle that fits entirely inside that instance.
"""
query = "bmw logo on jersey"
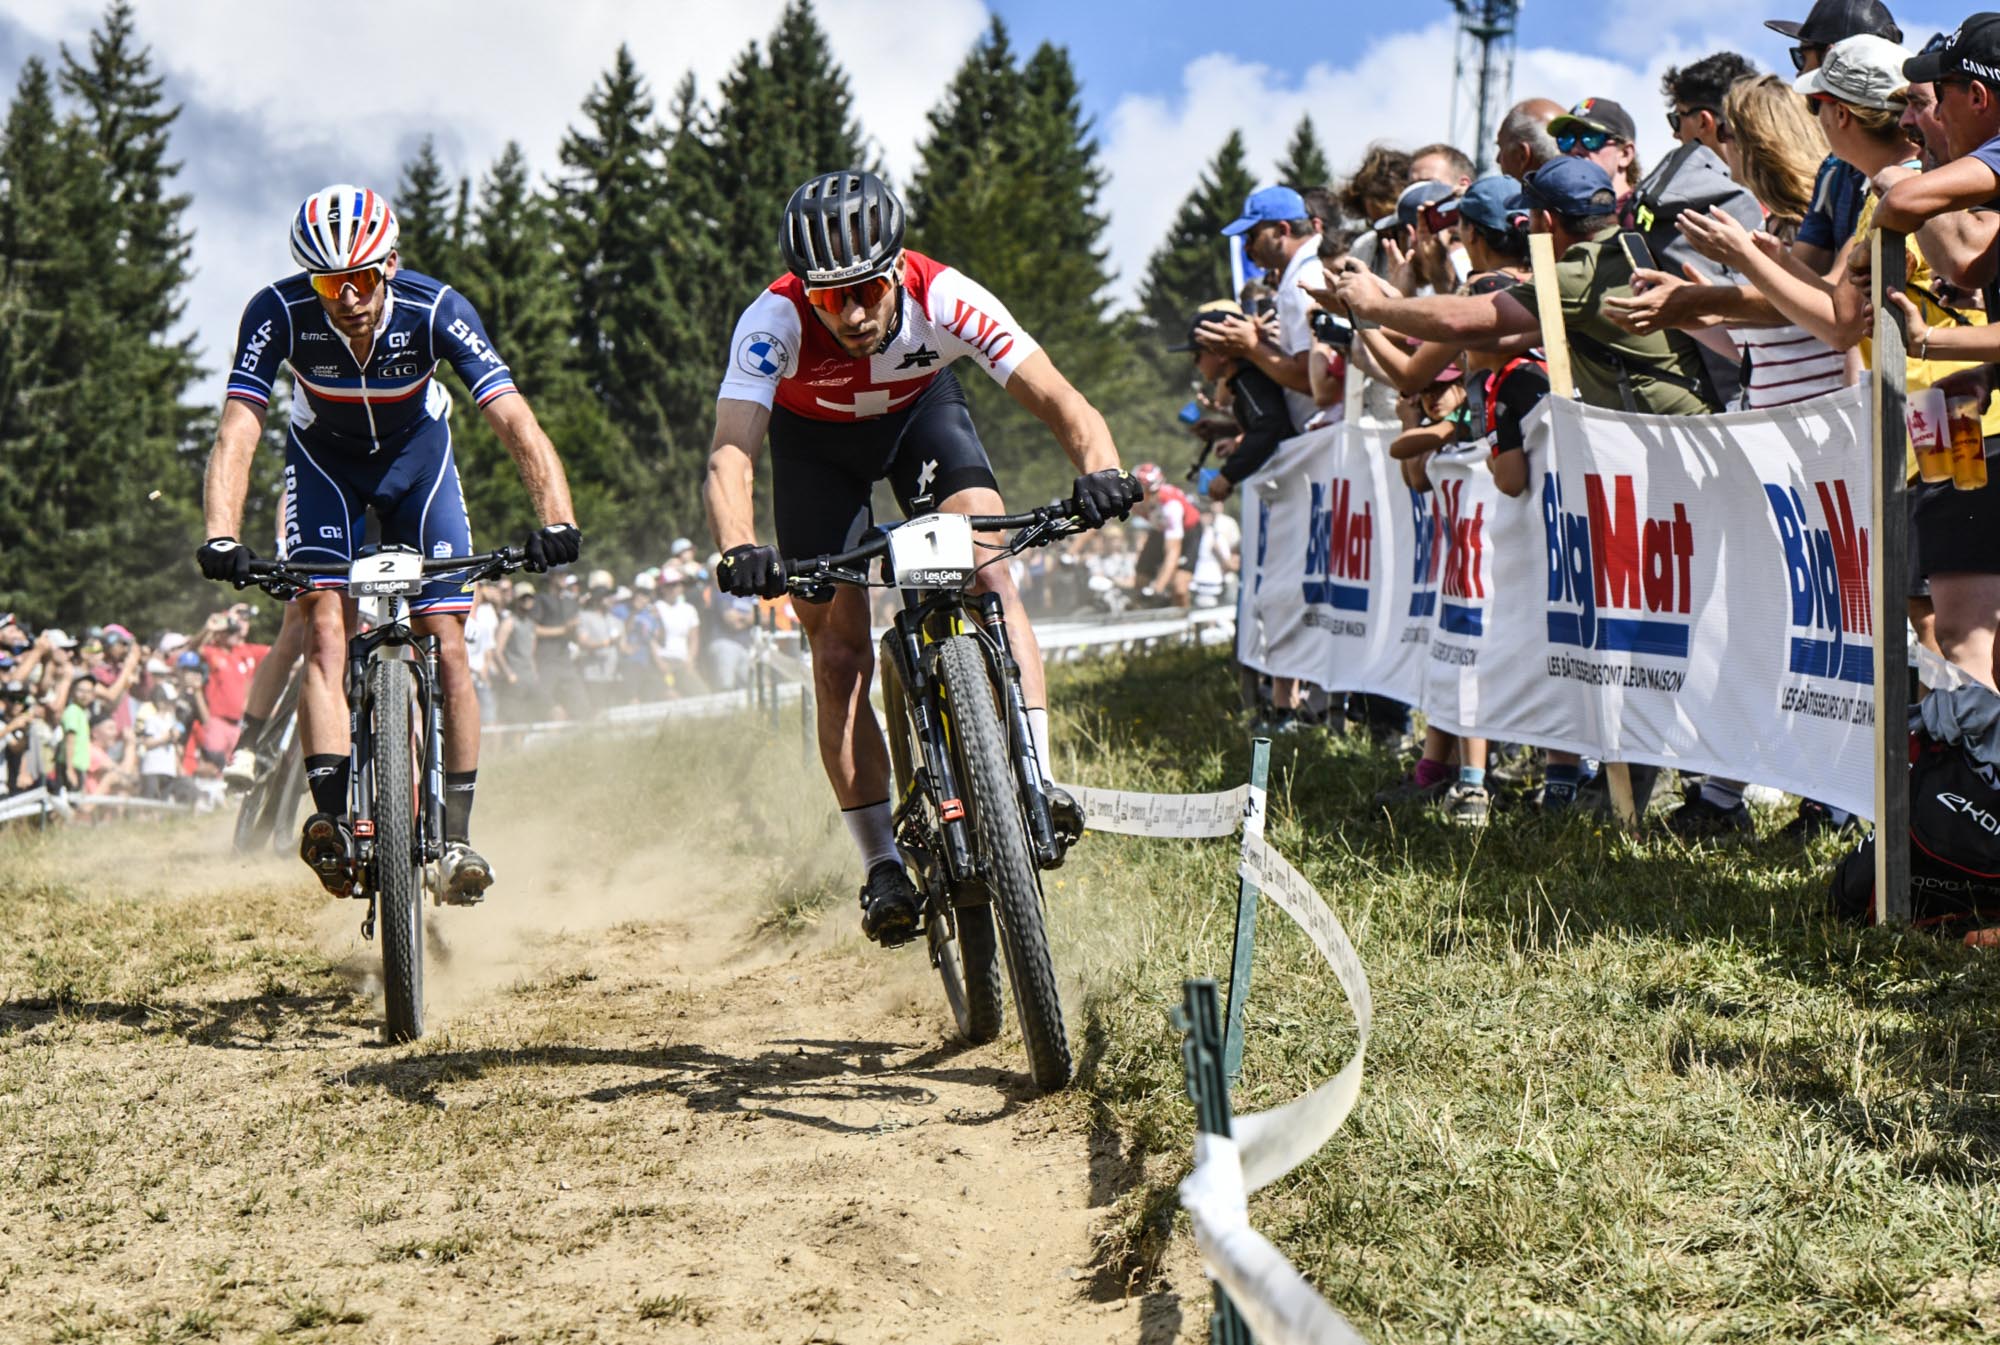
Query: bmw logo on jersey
(762, 354)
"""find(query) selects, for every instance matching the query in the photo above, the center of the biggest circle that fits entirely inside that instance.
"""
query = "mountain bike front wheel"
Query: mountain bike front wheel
(962, 943)
(987, 777)
(399, 888)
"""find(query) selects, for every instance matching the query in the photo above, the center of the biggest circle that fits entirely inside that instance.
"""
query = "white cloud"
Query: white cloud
(476, 73)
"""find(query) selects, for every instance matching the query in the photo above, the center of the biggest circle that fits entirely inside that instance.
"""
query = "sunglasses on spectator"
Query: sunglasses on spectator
(1592, 141)
(1800, 52)
(840, 298)
(365, 279)
(1677, 116)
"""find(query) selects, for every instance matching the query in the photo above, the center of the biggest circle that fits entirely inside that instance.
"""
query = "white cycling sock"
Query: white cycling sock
(1038, 729)
(873, 829)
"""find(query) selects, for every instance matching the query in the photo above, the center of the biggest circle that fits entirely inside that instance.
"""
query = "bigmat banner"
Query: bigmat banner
(1685, 591)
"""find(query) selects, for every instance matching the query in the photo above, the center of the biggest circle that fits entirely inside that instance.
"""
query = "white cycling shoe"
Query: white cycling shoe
(241, 772)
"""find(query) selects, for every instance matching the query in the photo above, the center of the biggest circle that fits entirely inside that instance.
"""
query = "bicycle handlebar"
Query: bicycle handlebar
(277, 577)
(800, 569)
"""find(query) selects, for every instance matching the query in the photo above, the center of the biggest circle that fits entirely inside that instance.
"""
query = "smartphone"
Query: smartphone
(1440, 215)
(1636, 251)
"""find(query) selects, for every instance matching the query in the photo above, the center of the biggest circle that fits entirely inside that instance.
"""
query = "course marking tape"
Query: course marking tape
(1182, 815)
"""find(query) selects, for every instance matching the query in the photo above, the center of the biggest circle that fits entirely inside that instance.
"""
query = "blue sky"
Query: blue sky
(1165, 81)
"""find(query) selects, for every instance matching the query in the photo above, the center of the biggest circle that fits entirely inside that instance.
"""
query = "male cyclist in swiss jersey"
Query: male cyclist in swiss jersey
(1165, 567)
(370, 429)
(846, 361)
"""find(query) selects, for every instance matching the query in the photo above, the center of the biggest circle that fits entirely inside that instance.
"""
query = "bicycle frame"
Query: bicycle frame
(421, 652)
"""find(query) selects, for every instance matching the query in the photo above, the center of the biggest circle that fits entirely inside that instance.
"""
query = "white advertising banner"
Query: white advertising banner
(1685, 591)
(1338, 568)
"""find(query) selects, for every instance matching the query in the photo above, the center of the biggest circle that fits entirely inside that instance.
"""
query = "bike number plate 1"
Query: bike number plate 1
(934, 551)
(386, 574)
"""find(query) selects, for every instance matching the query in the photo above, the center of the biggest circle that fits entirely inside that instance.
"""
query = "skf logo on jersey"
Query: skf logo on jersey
(253, 349)
(762, 355)
(982, 333)
(1620, 572)
(1464, 561)
(1826, 571)
(1340, 543)
(1424, 555)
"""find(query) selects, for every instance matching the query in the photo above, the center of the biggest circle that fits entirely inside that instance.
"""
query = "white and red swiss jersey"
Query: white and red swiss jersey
(782, 353)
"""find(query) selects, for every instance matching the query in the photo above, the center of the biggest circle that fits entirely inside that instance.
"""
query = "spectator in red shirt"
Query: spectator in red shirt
(232, 663)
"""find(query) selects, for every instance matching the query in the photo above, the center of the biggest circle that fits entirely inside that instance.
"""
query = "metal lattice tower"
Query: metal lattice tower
(1483, 74)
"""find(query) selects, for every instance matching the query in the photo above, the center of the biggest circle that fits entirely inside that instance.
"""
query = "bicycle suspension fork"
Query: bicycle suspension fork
(921, 691)
(430, 698)
(1027, 768)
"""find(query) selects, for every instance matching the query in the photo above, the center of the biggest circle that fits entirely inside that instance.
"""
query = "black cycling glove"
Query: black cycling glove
(751, 571)
(1105, 495)
(225, 559)
(557, 544)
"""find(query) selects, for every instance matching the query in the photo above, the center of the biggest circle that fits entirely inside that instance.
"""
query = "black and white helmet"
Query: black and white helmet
(840, 228)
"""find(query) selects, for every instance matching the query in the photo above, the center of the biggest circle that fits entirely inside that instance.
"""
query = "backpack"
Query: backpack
(1954, 831)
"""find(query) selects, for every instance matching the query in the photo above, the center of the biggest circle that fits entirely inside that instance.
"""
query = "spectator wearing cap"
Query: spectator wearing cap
(1603, 132)
(1495, 238)
(1253, 398)
(597, 635)
(1278, 236)
(1829, 222)
(726, 653)
(556, 614)
(1960, 75)
(1572, 200)
(1523, 143)
(1920, 119)
(514, 654)
(678, 644)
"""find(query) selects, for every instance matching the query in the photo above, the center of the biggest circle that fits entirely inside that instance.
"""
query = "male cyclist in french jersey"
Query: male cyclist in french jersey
(371, 430)
(1165, 568)
(846, 362)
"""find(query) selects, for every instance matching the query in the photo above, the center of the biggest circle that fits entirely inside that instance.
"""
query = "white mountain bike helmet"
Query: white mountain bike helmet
(343, 228)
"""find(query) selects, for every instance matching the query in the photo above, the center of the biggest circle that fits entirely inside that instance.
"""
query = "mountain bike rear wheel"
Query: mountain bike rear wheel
(1005, 860)
(399, 887)
(962, 943)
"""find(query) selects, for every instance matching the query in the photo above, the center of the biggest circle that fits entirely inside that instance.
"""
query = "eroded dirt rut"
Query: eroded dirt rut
(637, 1116)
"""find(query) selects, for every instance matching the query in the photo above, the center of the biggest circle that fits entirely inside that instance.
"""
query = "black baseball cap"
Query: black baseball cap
(1832, 20)
(1597, 114)
(1215, 310)
(1972, 50)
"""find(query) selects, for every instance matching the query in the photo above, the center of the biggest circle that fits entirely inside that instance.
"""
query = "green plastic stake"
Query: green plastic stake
(1208, 1089)
(1246, 916)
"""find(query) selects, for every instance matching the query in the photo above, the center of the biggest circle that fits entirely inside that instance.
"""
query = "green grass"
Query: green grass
(1619, 1090)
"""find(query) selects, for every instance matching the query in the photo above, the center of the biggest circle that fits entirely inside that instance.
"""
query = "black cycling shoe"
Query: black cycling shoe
(1066, 816)
(326, 846)
(889, 905)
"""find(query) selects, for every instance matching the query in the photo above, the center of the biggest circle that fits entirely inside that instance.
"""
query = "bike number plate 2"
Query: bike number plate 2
(934, 551)
(387, 573)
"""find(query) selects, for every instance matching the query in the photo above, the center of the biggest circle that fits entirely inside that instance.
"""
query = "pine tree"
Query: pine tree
(1304, 165)
(423, 214)
(701, 313)
(1192, 265)
(509, 273)
(783, 117)
(972, 126)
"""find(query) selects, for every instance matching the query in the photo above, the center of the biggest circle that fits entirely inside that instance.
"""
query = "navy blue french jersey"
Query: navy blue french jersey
(363, 406)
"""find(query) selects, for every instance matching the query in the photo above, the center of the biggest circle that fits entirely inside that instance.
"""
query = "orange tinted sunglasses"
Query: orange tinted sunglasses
(328, 284)
(839, 299)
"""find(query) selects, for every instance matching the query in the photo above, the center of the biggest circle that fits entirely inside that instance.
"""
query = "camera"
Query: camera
(1330, 329)
(1440, 215)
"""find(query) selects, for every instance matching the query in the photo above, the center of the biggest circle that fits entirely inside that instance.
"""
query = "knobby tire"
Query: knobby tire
(969, 965)
(987, 778)
(399, 889)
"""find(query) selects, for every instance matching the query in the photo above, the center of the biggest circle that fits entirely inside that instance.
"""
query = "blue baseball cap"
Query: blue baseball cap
(1567, 186)
(1267, 205)
(1489, 203)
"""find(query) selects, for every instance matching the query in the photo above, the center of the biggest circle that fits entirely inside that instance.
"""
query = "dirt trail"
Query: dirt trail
(636, 1116)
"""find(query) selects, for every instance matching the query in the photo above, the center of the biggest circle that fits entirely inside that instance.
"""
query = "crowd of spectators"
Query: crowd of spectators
(101, 714)
(1734, 274)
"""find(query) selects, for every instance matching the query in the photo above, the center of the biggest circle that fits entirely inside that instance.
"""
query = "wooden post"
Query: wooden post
(1889, 572)
(1555, 345)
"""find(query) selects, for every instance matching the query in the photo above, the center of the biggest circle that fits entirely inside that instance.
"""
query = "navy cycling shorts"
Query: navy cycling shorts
(413, 492)
(823, 472)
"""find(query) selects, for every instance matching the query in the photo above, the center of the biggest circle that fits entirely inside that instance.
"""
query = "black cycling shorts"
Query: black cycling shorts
(823, 472)
(1154, 548)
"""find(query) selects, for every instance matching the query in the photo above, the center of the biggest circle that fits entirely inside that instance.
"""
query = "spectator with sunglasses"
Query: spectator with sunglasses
(1838, 194)
(1601, 131)
(370, 429)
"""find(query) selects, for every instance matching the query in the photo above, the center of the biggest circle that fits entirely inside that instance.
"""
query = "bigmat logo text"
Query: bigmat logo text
(1464, 561)
(1826, 569)
(1340, 546)
(1627, 580)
